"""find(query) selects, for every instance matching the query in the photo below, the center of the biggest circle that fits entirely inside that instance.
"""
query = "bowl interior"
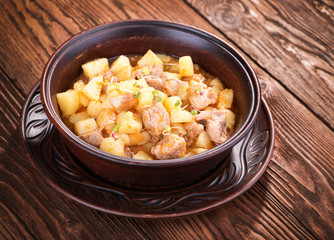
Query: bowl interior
(136, 37)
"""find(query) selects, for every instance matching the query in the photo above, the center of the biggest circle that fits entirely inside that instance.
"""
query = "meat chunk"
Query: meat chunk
(171, 86)
(128, 153)
(123, 102)
(215, 125)
(94, 138)
(201, 97)
(155, 119)
(148, 70)
(152, 73)
(155, 82)
(193, 130)
(172, 146)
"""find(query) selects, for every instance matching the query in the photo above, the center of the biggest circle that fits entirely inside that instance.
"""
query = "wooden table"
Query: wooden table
(290, 44)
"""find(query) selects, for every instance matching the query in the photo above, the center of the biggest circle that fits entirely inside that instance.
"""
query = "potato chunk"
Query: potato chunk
(230, 119)
(203, 141)
(94, 108)
(95, 67)
(129, 122)
(124, 73)
(180, 116)
(85, 126)
(93, 89)
(120, 63)
(149, 58)
(142, 155)
(113, 146)
(68, 102)
(78, 116)
(173, 102)
(141, 138)
(225, 99)
(216, 82)
(148, 95)
(186, 66)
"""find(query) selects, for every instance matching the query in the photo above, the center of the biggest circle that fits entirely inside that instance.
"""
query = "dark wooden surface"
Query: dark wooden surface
(290, 45)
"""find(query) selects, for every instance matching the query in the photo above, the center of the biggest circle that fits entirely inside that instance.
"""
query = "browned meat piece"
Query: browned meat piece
(200, 98)
(193, 130)
(94, 138)
(156, 70)
(128, 153)
(215, 125)
(123, 102)
(152, 74)
(155, 119)
(155, 82)
(172, 146)
(171, 86)
(153, 70)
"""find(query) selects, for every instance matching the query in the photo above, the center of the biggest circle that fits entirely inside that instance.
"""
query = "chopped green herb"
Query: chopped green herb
(116, 128)
(178, 102)
(129, 114)
(112, 122)
(194, 112)
(198, 90)
(156, 97)
(146, 71)
(136, 94)
(167, 130)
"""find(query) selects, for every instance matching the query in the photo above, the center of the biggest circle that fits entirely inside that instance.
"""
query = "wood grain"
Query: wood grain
(292, 41)
(293, 200)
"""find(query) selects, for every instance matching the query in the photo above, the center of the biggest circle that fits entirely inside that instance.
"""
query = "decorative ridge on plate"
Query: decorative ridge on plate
(245, 164)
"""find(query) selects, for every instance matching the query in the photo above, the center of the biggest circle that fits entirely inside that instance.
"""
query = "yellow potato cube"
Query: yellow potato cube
(178, 129)
(139, 138)
(68, 102)
(173, 102)
(124, 73)
(129, 122)
(145, 98)
(78, 116)
(170, 75)
(79, 85)
(164, 57)
(149, 58)
(110, 145)
(186, 66)
(93, 89)
(85, 126)
(182, 92)
(132, 85)
(230, 119)
(125, 138)
(180, 116)
(120, 63)
(142, 155)
(95, 67)
(225, 99)
(106, 117)
(216, 82)
(203, 141)
(94, 108)
(84, 101)
(198, 150)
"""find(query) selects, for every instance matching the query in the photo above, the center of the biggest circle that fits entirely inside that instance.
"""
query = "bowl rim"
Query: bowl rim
(77, 38)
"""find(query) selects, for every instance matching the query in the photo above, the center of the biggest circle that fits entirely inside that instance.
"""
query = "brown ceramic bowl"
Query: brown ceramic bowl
(136, 37)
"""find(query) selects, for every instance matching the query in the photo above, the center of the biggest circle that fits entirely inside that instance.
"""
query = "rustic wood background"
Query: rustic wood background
(290, 44)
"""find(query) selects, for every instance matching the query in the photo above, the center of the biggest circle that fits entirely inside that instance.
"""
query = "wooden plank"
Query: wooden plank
(282, 185)
(291, 40)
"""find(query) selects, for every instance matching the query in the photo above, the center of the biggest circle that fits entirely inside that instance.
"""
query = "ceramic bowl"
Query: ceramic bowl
(136, 37)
